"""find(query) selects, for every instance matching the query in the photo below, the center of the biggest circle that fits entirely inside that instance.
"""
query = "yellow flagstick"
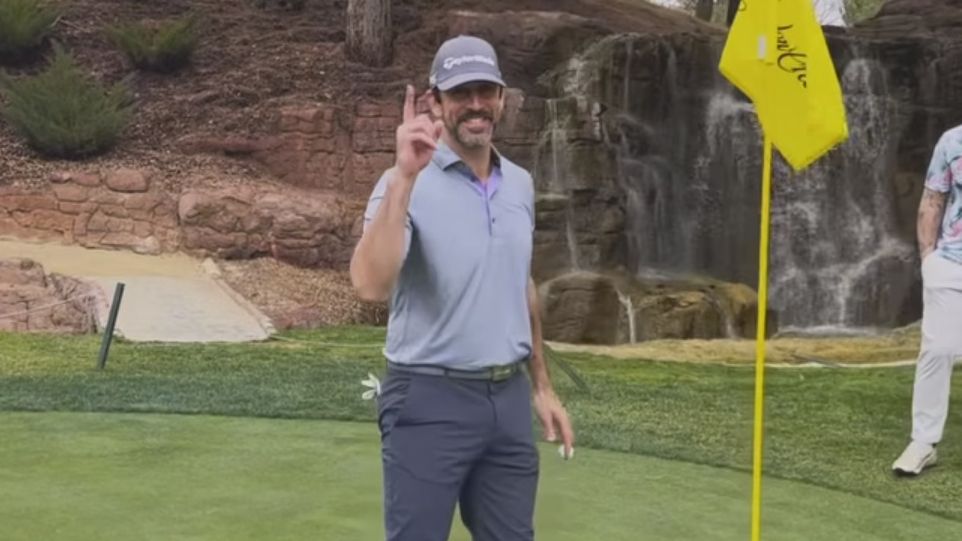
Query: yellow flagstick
(760, 340)
(776, 54)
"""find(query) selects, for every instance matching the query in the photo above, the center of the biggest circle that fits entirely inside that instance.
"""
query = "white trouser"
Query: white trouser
(941, 346)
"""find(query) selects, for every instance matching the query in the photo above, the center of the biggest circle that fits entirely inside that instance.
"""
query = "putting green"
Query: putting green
(80, 476)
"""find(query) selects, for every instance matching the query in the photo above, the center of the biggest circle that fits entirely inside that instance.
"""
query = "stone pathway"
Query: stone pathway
(171, 298)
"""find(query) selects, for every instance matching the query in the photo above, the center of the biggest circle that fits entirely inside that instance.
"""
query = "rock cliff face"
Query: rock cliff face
(682, 159)
(647, 165)
(647, 160)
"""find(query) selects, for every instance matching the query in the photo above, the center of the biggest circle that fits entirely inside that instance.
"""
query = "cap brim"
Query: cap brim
(464, 78)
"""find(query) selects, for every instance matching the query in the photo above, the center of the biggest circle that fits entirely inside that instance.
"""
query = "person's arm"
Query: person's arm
(540, 379)
(938, 183)
(380, 252)
(931, 210)
(550, 411)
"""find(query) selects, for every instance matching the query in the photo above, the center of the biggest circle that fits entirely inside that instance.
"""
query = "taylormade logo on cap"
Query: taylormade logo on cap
(464, 59)
(451, 62)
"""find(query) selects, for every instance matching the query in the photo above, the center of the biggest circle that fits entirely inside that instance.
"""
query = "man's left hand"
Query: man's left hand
(554, 419)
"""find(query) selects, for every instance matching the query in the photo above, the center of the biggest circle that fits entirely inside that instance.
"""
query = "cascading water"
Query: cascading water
(833, 225)
(555, 171)
(687, 153)
(626, 303)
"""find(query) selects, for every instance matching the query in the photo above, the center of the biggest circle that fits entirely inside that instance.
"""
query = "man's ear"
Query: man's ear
(435, 103)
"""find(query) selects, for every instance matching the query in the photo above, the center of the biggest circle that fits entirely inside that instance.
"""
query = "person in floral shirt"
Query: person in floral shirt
(940, 250)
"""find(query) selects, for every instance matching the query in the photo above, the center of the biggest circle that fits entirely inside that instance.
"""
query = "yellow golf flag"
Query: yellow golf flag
(776, 54)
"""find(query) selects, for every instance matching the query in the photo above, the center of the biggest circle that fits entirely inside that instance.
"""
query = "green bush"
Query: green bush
(24, 24)
(164, 47)
(64, 113)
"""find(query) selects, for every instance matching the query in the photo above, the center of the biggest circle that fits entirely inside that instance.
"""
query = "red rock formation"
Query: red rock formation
(32, 300)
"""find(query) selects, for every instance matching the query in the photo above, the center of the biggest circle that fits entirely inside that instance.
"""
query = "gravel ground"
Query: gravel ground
(298, 297)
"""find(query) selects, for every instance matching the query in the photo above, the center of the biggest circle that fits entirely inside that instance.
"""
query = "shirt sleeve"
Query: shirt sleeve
(374, 202)
(939, 176)
(531, 203)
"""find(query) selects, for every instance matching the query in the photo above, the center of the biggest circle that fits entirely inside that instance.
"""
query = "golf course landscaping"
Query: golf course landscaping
(273, 440)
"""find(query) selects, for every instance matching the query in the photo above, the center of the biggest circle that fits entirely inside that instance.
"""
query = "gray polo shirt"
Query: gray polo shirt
(461, 297)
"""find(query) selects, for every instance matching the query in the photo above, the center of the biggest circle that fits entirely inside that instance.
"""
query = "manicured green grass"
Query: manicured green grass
(837, 428)
(86, 476)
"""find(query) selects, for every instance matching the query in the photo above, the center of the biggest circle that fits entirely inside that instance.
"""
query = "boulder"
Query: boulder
(32, 300)
(613, 308)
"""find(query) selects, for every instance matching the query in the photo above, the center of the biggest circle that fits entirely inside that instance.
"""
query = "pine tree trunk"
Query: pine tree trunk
(704, 8)
(369, 36)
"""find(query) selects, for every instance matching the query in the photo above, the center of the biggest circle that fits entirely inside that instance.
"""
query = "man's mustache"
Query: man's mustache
(476, 114)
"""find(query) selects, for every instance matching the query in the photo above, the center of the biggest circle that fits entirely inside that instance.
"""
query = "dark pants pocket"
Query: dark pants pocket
(390, 403)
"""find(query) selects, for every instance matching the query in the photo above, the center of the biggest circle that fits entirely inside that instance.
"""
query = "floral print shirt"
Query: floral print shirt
(945, 176)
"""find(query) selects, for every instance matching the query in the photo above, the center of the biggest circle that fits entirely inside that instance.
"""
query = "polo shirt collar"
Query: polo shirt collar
(445, 157)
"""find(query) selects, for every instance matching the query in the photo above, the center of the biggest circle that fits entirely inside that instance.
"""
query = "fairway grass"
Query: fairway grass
(93, 476)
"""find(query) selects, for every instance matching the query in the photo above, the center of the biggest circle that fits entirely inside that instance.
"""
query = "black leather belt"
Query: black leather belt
(494, 373)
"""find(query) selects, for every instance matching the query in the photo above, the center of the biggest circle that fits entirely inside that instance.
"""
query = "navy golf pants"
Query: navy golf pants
(449, 442)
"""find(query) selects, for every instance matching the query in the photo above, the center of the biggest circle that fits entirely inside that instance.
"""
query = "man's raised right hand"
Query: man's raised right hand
(417, 138)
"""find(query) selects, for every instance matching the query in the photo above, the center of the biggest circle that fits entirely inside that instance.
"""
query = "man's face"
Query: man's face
(470, 112)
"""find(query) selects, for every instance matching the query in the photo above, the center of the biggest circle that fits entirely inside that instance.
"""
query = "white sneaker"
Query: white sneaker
(915, 458)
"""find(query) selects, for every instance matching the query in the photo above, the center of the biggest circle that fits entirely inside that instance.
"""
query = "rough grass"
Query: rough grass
(837, 428)
(891, 347)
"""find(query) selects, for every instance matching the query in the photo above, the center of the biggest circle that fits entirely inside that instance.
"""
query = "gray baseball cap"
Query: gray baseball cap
(462, 60)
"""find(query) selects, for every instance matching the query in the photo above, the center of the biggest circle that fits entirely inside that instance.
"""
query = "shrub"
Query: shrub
(24, 24)
(162, 47)
(64, 113)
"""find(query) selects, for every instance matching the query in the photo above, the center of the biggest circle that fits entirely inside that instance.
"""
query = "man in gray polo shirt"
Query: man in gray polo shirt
(447, 241)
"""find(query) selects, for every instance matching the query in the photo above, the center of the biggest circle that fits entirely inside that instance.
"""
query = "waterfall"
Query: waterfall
(630, 312)
(555, 136)
(685, 148)
(833, 225)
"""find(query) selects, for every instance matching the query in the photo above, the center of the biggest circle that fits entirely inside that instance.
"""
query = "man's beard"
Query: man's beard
(467, 138)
